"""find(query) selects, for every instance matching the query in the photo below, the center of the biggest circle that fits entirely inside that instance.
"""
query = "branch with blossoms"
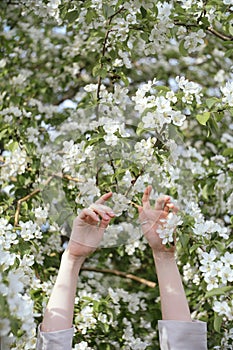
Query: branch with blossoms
(104, 48)
(36, 191)
(208, 29)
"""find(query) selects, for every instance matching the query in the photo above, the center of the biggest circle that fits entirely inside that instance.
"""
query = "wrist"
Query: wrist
(73, 258)
(163, 256)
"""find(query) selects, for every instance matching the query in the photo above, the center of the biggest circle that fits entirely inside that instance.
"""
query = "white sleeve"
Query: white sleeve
(59, 340)
(180, 335)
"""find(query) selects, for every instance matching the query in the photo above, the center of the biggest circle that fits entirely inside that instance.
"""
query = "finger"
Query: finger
(162, 202)
(104, 223)
(104, 198)
(168, 206)
(102, 209)
(146, 198)
(88, 212)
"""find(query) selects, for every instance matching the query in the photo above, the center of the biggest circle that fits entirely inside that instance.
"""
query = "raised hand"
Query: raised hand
(151, 219)
(89, 226)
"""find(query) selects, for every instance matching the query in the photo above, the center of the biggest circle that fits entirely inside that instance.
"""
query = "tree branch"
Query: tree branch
(209, 29)
(220, 35)
(20, 201)
(105, 47)
(121, 274)
(36, 191)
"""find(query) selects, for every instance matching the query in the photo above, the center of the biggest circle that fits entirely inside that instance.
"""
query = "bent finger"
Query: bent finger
(104, 222)
(88, 212)
(102, 209)
(162, 202)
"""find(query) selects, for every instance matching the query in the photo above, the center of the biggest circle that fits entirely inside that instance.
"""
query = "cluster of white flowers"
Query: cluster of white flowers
(135, 301)
(217, 271)
(15, 291)
(226, 341)
(206, 228)
(41, 214)
(14, 163)
(194, 40)
(29, 230)
(144, 150)
(167, 227)
(85, 319)
(190, 274)
(159, 33)
(162, 106)
(224, 308)
(190, 90)
(227, 91)
(21, 78)
(74, 153)
(121, 203)
(47, 109)
(130, 341)
(14, 112)
(88, 192)
(83, 345)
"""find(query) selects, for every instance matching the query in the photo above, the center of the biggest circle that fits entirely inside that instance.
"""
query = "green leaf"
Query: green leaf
(124, 78)
(205, 193)
(217, 322)
(229, 53)
(71, 16)
(96, 69)
(90, 15)
(228, 152)
(13, 146)
(182, 49)
(108, 11)
(210, 102)
(218, 291)
(143, 11)
(140, 129)
(184, 239)
(230, 29)
(218, 116)
(203, 118)
(194, 247)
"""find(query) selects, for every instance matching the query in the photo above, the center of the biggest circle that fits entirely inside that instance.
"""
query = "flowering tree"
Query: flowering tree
(115, 95)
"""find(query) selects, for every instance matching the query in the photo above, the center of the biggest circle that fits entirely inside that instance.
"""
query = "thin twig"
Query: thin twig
(220, 35)
(121, 274)
(20, 201)
(209, 29)
(104, 48)
(135, 204)
(133, 182)
(70, 178)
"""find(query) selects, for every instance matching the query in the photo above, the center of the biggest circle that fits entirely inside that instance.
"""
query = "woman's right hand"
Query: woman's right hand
(150, 219)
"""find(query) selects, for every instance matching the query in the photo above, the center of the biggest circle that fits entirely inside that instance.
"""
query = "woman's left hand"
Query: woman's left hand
(89, 226)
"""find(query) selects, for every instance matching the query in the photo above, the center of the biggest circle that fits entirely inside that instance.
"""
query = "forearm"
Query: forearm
(174, 304)
(59, 312)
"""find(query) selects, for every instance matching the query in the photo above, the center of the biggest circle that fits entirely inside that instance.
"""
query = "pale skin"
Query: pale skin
(174, 304)
(86, 235)
(89, 225)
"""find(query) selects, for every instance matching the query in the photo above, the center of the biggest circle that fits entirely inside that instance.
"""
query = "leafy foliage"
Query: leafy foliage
(113, 95)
